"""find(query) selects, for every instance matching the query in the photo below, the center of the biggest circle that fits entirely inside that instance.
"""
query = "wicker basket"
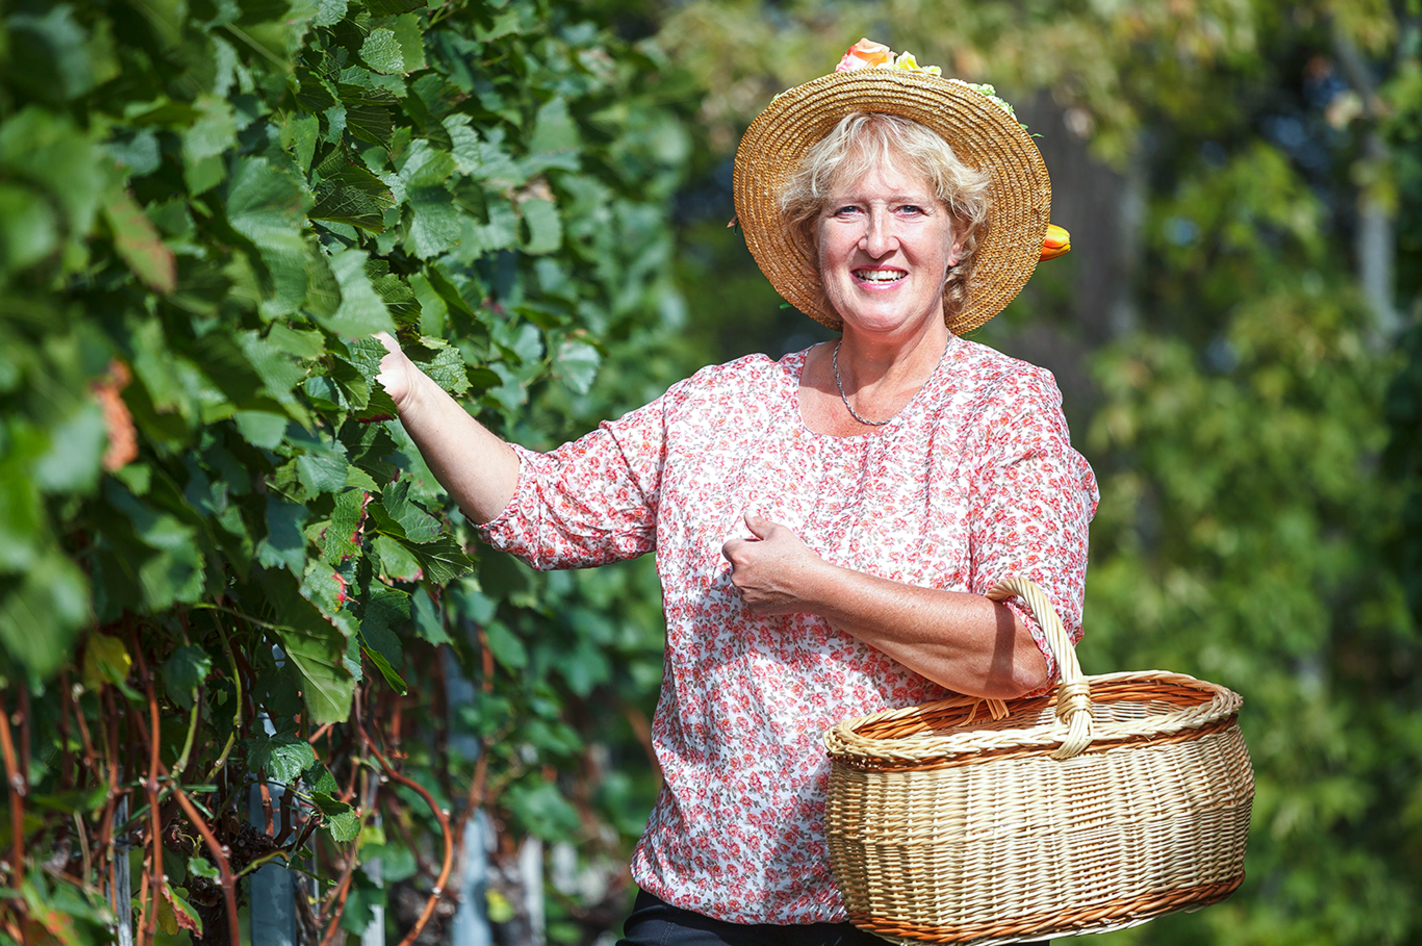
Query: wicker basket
(1119, 798)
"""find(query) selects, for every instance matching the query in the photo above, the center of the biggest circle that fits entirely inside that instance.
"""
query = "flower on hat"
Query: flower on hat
(865, 54)
(1056, 243)
(988, 92)
(906, 61)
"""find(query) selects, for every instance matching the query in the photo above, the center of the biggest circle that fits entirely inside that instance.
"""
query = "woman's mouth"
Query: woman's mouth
(880, 276)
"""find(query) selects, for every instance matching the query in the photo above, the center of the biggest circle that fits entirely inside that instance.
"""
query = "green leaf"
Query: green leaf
(380, 8)
(397, 561)
(505, 645)
(268, 205)
(351, 194)
(281, 758)
(284, 544)
(313, 92)
(202, 867)
(417, 524)
(555, 140)
(31, 230)
(318, 778)
(442, 560)
(541, 809)
(411, 38)
(183, 672)
(321, 473)
(382, 664)
(429, 623)
(210, 137)
(381, 52)
(545, 228)
(362, 311)
(314, 646)
(300, 134)
(55, 157)
(386, 609)
(576, 365)
(399, 297)
(76, 450)
(338, 817)
(51, 55)
(368, 113)
(338, 536)
(260, 428)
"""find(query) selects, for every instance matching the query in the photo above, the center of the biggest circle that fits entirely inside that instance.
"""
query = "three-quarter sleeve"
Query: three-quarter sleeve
(1031, 500)
(590, 501)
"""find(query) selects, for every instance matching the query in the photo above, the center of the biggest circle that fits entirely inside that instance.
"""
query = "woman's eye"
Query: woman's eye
(846, 211)
(911, 210)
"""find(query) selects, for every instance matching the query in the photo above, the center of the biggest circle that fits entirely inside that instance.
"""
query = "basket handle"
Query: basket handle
(1073, 692)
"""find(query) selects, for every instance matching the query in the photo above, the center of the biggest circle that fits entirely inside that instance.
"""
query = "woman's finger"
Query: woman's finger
(388, 340)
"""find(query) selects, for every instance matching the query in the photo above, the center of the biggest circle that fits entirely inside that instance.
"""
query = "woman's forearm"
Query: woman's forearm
(965, 642)
(477, 468)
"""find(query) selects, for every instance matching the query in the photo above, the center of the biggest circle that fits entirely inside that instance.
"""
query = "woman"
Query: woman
(825, 525)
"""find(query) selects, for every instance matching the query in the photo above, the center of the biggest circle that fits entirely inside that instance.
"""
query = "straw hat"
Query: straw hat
(981, 132)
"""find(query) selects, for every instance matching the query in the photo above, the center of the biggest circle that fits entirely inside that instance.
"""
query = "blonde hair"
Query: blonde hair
(867, 141)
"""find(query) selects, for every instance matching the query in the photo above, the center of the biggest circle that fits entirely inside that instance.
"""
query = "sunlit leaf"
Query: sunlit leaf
(362, 311)
(106, 660)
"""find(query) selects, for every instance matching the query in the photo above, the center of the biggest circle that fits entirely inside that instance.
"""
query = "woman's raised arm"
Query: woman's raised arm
(477, 468)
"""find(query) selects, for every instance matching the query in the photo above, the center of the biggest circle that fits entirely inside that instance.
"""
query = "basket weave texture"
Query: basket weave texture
(1117, 799)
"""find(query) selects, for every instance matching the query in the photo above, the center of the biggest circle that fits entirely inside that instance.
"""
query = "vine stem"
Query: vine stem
(237, 713)
(158, 884)
(219, 855)
(106, 835)
(443, 819)
(17, 803)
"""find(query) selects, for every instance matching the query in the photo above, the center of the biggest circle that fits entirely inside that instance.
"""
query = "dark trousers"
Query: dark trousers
(656, 923)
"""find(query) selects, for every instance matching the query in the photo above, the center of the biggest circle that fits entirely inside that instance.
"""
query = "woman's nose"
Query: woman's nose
(879, 238)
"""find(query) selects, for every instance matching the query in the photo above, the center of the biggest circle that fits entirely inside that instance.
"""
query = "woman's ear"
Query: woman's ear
(954, 252)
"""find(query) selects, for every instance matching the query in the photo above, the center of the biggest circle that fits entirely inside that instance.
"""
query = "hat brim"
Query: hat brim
(980, 132)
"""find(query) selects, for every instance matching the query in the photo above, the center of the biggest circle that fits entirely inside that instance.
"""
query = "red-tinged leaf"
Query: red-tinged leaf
(138, 242)
(174, 914)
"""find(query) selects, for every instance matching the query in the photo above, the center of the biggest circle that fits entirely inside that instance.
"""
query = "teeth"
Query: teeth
(879, 275)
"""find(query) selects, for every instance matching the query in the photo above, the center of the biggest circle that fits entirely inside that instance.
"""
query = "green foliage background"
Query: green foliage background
(206, 208)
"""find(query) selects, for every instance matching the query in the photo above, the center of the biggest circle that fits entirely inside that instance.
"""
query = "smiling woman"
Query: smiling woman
(826, 525)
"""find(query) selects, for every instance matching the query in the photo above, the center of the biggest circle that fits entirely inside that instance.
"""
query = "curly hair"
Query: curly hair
(866, 141)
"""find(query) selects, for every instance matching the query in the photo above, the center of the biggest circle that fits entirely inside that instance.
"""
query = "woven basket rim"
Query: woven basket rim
(847, 742)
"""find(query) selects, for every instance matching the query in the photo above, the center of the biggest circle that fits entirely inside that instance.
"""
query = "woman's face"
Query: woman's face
(885, 245)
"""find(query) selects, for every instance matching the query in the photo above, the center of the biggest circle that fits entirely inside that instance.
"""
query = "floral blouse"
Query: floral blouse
(973, 481)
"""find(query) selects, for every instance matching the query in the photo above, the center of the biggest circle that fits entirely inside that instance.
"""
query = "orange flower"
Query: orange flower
(865, 54)
(1056, 243)
(123, 437)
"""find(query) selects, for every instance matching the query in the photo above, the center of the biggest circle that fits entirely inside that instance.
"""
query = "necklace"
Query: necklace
(834, 361)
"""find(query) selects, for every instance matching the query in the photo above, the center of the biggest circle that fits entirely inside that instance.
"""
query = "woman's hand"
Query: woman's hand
(477, 468)
(398, 374)
(772, 570)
